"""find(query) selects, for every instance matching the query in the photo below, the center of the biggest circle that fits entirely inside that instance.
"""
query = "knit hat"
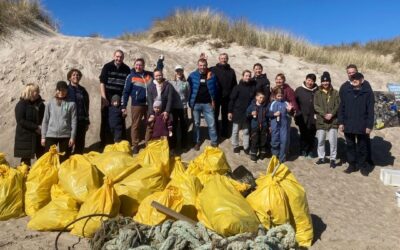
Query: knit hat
(357, 76)
(61, 85)
(326, 77)
(115, 98)
(157, 103)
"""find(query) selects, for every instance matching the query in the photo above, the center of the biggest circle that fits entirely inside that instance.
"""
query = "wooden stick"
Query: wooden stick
(165, 210)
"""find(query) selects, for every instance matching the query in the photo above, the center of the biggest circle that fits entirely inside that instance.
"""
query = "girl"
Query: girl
(59, 122)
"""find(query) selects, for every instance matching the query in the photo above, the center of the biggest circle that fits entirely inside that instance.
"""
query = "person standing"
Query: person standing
(240, 99)
(112, 82)
(116, 118)
(305, 117)
(29, 113)
(203, 92)
(356, 120)
(263, 84)
(59, 122)
(78, 94)
(226, 81)
(326, 105)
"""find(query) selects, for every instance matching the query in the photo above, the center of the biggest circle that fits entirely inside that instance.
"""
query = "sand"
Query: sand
(348, 211)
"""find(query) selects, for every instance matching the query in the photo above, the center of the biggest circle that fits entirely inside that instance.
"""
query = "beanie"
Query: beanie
(326, 77)
(157, 103)
(115, 98)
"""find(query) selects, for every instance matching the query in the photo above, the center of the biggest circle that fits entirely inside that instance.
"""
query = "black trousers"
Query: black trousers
(106, 135)
(258, 140)
(356, 149)
(222, 105)
(179, 117)
(307, 137)
(62, 144)
(39, 151)
(80, 137)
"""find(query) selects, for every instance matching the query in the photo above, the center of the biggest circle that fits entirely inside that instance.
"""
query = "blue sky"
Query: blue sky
(318, 21)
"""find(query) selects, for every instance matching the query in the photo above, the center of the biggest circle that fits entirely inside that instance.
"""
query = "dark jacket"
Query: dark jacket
(326, 103)
(263, 85)
(226, 79)
(80, 97)
(167, 95)
(194, 83)
(160, 127)
(136, 87)
(115, 118)
(305, 100)
(261, 120)
(240, 99)
(356, 110)
(113, 78)
(29, 116)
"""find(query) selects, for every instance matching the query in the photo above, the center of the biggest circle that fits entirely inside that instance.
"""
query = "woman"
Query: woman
(79, 95)
(29, 115)
(180, 106)
(305, 117)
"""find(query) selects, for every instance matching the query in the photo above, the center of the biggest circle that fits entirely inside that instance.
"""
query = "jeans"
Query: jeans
(244, 126)
(208, 113)
(332, 137)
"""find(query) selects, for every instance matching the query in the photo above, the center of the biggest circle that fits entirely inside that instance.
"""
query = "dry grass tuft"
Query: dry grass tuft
(23, 14)
(189, 23)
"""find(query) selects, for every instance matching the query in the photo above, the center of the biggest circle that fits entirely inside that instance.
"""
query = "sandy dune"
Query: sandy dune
(349, 211)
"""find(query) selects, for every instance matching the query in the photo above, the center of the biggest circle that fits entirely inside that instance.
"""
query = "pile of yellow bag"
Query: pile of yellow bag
(114, 182)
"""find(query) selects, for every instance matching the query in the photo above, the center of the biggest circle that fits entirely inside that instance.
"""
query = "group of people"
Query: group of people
(159, 107)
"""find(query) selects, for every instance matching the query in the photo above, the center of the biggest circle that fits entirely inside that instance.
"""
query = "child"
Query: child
(116, 118)
(159, 127)
(59, 122)
(241, 96)
(258, 111)
(278, 114)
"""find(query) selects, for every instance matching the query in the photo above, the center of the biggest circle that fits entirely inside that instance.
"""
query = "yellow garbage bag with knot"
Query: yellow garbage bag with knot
(104, 201)
(115, 165)
(122, 146)
(223, 209)
(57, 214)
(211, 161)
(12, 191)
(42, 176)
(78, 177)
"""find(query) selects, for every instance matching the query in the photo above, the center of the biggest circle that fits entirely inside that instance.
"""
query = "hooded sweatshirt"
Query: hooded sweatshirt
(305, 100)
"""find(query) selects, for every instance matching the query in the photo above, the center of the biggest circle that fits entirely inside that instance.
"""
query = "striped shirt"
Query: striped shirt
(113, 78)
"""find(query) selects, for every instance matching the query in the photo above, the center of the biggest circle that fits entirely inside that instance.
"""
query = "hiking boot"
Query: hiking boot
(320, 161)
(197, 146)
(263, 155)
(246, 151)
(135, 150)
(350, 169)
(253, 158)
(364, 171)
(332, 164)
(236, 150)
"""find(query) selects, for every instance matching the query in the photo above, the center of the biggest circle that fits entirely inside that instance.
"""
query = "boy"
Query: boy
(116, 118)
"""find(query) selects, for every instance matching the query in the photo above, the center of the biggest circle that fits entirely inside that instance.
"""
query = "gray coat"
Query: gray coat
(59, 121)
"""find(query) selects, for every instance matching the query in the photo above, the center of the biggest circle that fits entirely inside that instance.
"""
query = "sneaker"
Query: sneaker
(135, 150)
(350, 169)
(246, 151)
(253, 158)
(263, 155)
(332, 164)
(236, 150)
(320, 161)
(197, 146)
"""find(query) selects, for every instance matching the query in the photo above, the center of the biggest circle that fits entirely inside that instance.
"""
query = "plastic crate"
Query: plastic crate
(390, 177)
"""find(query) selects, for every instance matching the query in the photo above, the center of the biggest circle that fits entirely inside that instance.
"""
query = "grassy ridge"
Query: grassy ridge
(22, 14)
(188, 23)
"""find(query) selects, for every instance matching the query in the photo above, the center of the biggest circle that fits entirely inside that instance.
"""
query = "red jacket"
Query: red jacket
(289, 96)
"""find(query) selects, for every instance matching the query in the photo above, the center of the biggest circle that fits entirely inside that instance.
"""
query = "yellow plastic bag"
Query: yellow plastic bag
(156, 154)
(189, 185)
(211, 161)
(41, 177)
(115, 165)
(171, 197)
(223, 209)
(78, 177)
(61, 210)
(122, 146)
(103, 201)
(11, 191)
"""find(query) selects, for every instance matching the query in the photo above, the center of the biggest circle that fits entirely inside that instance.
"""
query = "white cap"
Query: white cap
(178, 67)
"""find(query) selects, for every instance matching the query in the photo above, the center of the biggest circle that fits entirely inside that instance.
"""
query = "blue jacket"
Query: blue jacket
(261, 121)
(356, 110)
(136, 87)
(280, 106)
(194, 83)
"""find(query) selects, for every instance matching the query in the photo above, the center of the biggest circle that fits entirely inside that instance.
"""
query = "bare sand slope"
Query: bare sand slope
(349, 211)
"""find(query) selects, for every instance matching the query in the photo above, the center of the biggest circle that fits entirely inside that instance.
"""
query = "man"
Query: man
(136, 87)
(226, 80)
(351, 69)
(203, 92)
(356, 120)
(263, 84)
(112, 81)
